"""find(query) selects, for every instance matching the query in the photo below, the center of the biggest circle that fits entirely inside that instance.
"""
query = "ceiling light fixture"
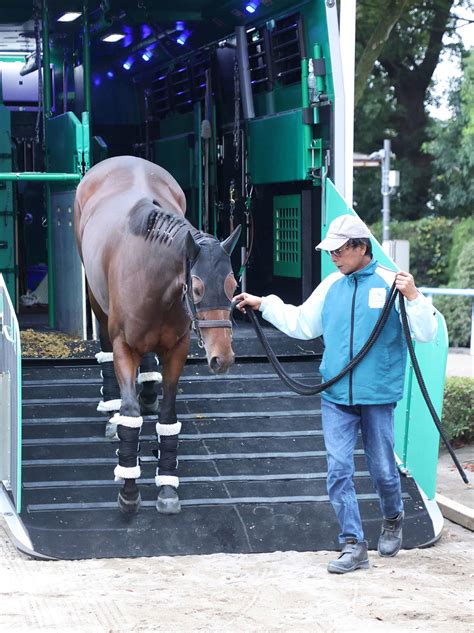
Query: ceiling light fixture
(113, 37)
(69, 17)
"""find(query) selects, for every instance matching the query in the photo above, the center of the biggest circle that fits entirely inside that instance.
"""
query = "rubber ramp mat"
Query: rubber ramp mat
(252, 468)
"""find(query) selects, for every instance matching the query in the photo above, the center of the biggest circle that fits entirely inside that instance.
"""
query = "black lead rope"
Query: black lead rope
(312, 390)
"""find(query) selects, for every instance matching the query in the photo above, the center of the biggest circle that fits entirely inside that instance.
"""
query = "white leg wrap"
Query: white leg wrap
(149, 376)
(109, 405)
(166, 480)
(168, 429)
(104, 357)
(123, 472)
(124, 420)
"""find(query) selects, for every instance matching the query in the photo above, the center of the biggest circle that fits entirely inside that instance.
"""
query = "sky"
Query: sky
(449, 68)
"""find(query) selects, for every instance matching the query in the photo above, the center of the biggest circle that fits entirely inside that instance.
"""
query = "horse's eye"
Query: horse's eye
(229, 286)
(198, 289)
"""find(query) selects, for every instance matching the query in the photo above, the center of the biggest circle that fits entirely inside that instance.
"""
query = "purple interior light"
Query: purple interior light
(182, 37)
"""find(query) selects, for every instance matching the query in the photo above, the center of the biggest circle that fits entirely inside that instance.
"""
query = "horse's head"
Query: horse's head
(213, 286)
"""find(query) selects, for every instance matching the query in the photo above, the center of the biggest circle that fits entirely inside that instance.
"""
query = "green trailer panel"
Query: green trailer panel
(277, 149)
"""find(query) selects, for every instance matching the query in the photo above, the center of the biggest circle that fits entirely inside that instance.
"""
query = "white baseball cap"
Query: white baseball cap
(342, 229)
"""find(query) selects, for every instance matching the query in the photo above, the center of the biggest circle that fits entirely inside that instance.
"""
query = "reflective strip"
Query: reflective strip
(168, 429)
(132, 423)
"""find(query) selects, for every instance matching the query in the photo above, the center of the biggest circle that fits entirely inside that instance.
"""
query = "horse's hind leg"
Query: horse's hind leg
(149, 378)
(167, 430)
(129, 423)
(110, 389)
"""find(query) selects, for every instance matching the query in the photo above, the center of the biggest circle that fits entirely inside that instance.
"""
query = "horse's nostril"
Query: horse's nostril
(215, 363)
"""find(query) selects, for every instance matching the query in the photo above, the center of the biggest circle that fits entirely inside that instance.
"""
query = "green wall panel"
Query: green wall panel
(276, 148)
(175, 154)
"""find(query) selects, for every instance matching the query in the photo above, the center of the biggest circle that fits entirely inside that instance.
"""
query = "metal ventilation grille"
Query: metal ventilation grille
(287, 236)
(179, 89)
(286, 49)
(259, 57)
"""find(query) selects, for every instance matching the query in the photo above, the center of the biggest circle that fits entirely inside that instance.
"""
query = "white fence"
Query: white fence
(10, 398)
(457, 292)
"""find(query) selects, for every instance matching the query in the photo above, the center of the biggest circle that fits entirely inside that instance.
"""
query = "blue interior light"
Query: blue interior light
(110, 74)
(128, 63)
(251, 7)
(180, 26)
(146, 56)
(182, 37)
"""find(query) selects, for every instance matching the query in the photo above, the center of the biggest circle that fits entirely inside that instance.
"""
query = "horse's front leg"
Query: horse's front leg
(129, 422)
(167, 430)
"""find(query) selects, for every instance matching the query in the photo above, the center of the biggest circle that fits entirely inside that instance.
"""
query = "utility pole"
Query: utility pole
(386, 190)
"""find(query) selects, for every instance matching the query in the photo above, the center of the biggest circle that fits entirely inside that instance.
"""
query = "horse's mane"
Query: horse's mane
(148, 219)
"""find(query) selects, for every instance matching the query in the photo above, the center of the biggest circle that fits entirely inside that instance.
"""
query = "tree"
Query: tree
(452, 148)
(403, 71)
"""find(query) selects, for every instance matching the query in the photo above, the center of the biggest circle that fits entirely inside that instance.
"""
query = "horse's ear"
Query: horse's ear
(229, 244)
(192, 249)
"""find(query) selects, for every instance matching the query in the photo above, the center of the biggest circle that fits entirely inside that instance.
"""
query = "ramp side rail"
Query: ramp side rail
(10, 398)
(456, 292)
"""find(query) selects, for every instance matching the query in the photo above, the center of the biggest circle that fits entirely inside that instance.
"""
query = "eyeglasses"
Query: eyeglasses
(338, 252)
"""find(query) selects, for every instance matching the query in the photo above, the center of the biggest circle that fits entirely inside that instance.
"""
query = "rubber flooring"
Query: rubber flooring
(252, 466)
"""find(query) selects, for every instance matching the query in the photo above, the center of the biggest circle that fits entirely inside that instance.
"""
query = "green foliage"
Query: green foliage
(463, 231)
(457, 310)
(452, 148)
(430, 245)
(458, 420)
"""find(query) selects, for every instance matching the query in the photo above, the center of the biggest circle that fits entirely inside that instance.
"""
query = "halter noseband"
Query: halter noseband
(190, 307)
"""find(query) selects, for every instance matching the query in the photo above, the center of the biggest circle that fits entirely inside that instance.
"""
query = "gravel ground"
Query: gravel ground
(419, 590)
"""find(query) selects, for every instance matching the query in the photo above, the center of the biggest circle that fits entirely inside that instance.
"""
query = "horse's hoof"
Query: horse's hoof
(128, 505)
(168, 500)
(149, 408)
(111, 431)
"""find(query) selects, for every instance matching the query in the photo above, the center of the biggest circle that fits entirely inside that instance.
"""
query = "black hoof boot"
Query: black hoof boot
(168, 500)
(129, 500)
(149, 407)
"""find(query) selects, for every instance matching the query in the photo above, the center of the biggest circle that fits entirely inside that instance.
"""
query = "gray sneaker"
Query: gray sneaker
(353, 556)
(390, 540)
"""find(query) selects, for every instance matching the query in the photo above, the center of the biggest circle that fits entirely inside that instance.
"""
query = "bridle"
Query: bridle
(196, 323)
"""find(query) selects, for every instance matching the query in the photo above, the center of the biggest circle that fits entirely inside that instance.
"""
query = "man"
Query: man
(344, 309)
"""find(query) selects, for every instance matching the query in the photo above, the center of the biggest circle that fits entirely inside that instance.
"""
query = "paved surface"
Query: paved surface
(449, 483)
(460, 363)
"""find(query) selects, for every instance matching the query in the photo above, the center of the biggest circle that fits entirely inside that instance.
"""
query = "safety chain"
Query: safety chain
(231, 204)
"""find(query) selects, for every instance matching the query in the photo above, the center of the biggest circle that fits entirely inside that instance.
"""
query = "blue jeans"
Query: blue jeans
(340, 427)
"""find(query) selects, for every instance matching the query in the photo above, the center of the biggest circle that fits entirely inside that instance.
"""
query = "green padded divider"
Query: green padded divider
(7, 223)
(174, 154)
(64, 143)
(276, 148)
(287, 235)
(416, 436)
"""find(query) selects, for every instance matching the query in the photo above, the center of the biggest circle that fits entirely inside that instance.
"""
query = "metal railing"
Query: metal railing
(456, 292)
(10, 397)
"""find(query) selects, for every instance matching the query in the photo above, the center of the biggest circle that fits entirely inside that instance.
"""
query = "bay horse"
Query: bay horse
(150, 275)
